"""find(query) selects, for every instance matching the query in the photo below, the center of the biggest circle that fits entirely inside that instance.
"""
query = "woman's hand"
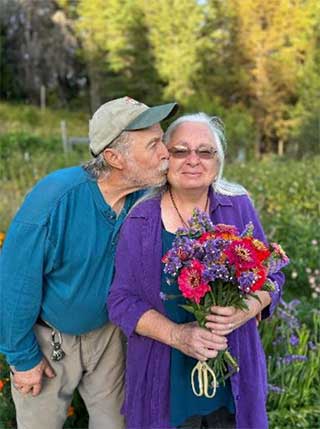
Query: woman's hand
(197, 342)
(224, 320)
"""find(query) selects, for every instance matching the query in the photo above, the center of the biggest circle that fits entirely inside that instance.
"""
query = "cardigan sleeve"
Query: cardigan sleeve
(248, 214)
(126, 303)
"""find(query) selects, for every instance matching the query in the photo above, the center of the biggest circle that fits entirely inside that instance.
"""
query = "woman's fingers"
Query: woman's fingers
(223, 311)
(223, 319)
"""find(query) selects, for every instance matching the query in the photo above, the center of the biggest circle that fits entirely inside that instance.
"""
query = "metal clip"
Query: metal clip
(57, 352)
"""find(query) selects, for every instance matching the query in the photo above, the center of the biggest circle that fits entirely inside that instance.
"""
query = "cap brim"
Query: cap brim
(152, 116)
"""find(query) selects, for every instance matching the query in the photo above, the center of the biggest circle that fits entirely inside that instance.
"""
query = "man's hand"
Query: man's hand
(197, 342)
(31, 381)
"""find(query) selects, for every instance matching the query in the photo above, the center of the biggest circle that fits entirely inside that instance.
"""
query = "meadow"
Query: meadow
(286, 193)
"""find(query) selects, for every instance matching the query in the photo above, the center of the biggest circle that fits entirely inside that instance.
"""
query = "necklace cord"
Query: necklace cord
(177, 210)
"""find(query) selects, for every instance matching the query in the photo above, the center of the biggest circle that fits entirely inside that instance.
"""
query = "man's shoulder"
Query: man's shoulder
(45, 195)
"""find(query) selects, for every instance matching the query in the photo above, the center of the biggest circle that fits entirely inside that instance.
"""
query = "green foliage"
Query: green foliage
(293, 350)
(17, 118)
(286, 194)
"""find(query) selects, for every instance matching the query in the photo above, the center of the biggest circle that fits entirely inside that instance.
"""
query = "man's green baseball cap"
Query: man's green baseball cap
(124, 114)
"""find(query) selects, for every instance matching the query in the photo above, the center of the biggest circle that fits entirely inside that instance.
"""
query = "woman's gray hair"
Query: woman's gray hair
(98, 167)
(216, 127)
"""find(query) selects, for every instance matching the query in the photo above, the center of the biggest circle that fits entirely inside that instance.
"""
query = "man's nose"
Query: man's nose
(164, 151)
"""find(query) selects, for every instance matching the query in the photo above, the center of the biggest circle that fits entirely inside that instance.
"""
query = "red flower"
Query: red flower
(165, 257)
(260, 274)
(191, 283)
(2, 383)
(262, 251)
(243, 254)
(206, 236)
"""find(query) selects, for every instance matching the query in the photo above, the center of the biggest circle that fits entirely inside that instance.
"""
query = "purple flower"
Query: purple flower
(245, 281)
(288, 359)
(216, 272)
(172, 266)
(312, 345)
(163, 296)
(279, 340)
(275, 389)
(293, 304)
(291, 320)
(294, 340)
(212, 250)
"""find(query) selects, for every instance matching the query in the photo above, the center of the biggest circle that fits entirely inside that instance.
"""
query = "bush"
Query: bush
(286, 194)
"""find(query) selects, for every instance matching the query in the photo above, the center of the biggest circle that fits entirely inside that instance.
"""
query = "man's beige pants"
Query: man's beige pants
(94, 363)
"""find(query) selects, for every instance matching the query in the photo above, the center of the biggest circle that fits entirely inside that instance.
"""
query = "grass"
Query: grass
(26, 118)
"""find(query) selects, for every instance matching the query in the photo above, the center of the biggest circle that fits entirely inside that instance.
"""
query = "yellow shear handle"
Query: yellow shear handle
(203, 371)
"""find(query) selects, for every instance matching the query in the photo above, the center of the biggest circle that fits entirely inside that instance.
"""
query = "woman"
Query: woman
(162, 342)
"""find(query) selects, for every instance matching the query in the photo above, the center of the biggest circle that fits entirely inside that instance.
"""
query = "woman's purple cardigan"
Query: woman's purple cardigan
(136, 289)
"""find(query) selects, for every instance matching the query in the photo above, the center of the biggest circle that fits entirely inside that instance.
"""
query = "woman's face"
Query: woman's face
(193, 162)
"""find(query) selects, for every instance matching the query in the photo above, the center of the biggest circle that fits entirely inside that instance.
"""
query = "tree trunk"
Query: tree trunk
(94, 85)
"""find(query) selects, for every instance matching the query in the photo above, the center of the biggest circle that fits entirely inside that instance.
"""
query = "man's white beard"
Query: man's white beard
(143, 179)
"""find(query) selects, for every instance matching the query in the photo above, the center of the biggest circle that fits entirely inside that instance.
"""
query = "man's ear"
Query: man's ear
(113, 158)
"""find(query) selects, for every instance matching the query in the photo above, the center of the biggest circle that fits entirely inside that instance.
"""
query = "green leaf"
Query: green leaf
(188, 308)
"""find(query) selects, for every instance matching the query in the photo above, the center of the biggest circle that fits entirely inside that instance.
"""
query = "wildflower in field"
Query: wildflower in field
(275, 389)
(294, 340)
(288, 359)
(70, 411)
(2, 237)
(2, 383)
(294, 274)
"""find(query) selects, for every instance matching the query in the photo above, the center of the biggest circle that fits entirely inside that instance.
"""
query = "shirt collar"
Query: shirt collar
(218, 200)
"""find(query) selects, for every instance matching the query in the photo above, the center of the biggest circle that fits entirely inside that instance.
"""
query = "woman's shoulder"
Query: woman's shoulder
(243, 199)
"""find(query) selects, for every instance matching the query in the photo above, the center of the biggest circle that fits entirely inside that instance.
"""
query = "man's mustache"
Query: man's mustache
(164, 166)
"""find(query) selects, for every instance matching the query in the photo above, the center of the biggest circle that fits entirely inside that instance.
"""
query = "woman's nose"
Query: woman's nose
(193, 158)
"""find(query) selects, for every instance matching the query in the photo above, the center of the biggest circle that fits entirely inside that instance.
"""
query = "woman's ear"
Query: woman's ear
(113, 158)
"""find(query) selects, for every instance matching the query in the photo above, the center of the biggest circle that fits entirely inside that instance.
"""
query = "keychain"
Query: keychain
(57, 352)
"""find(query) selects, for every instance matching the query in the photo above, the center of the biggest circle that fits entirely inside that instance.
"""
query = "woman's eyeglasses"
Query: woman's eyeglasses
(184, 152)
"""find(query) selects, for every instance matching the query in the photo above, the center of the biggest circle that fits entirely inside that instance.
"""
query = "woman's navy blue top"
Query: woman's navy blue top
(183, 402)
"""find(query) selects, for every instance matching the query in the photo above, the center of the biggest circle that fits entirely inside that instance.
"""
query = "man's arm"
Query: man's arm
(21, 277)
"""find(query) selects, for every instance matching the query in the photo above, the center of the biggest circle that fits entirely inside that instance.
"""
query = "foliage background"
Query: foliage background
(253, 63)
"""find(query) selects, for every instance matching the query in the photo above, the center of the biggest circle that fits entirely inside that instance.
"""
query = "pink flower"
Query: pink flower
(221, 228)
(190, 282)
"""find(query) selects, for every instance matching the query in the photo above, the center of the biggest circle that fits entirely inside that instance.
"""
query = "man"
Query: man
(57, 264)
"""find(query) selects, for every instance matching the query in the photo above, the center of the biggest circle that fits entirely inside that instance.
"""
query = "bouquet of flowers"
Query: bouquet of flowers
(217, 265)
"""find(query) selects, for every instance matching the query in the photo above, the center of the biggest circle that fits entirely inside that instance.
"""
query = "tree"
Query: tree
(41, 47)
(273, 41)
(174, 33)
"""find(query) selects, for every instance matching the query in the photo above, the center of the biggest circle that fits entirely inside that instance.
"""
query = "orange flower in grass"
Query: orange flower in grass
(70, 411)
(2, 237)
(2, 383)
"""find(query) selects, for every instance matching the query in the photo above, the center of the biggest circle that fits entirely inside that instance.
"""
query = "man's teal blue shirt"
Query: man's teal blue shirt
(57, 262)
